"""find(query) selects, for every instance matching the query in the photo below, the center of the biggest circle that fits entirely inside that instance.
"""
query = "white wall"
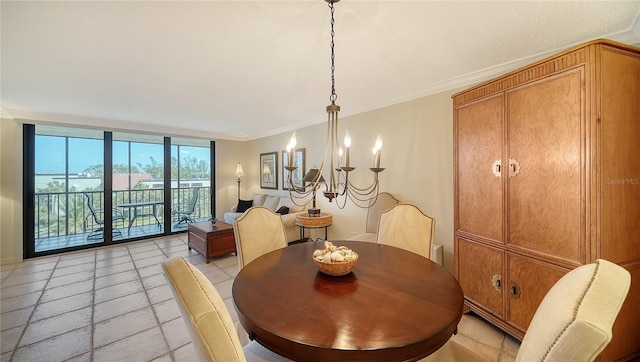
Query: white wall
(10, 191)
(417, 155)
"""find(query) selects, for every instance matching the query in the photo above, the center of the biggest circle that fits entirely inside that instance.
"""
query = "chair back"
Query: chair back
(194, 200)
(405, 226)
(96, 219)
(383, 202)
(204, 312)
(575, 319)
(257, 232)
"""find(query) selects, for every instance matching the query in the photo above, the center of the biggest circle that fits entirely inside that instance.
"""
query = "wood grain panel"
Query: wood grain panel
(620, 157)
(544, 121)
(481, 264)
(479, 191)
(533, 279)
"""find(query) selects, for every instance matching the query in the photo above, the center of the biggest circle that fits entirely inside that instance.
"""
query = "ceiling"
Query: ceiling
(241, 70)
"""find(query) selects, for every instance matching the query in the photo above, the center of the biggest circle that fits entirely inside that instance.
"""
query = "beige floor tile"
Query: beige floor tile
(144, 346)
(60, 324)
(67, 291)
(112, 253)
(116, 307)
(58, 348)
(217, 275)
(19, 302)
(155, 269)
(224, 288)
(123, 326)
(154, 281)
(115, 269)
(167, 310)
(21, 269)
(165, 358)
(20, 279)
(486, 352)
(117, 291)
(510, 348)
(176, 333)
(185, 353)
(15, 318)
(159, 294)
(9, 338)
(21, 289)
(113, 261)
(63, 305)
(75, 277)
(78, 260)
(478, 329)
(118, 278)
(147, 255)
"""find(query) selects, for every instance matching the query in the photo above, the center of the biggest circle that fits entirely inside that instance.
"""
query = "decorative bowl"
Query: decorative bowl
(337, 268)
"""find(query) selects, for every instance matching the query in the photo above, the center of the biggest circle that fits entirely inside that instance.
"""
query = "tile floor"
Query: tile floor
(113, 304)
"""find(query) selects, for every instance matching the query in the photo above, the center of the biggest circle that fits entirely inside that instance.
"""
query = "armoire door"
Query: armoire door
(479, 135)
(545, 133)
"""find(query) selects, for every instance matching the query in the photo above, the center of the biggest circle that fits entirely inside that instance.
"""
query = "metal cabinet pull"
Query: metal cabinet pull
(496, 168)
(496, 282)
(514, 290)
(514, 167)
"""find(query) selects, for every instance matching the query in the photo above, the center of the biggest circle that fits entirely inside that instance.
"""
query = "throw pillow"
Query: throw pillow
(283, 210)
(244, 205)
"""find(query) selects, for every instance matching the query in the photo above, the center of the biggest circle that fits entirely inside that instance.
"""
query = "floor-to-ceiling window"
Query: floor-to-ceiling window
(86, 188)
(138, 182)
(190, 181)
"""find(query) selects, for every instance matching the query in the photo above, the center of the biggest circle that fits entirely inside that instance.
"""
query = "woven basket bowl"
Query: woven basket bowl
(337, 268)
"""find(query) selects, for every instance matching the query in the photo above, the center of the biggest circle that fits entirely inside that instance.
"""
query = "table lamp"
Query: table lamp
(310, 177)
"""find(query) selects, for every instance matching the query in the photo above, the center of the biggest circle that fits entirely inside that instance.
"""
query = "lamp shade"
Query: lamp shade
(239, 172)
(312, 175)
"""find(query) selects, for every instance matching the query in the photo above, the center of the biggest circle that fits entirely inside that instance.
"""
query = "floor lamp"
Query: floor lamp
(239, 173)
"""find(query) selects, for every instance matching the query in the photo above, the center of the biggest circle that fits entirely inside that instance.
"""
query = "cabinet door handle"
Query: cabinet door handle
(514, 167)
(514, 290)
(496, 282)
(496, 168)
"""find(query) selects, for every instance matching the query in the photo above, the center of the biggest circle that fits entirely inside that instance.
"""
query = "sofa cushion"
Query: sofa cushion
(286, 201)
(244, 205)
(271, 202)
(258, 200)
(282, 210)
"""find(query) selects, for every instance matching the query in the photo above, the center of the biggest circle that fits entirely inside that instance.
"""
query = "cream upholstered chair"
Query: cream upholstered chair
(405, 226)
(572, 323)
(207, 318)
(383, 202)
(257, 232)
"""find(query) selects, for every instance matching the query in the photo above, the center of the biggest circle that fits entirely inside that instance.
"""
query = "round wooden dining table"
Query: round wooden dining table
(394, 306)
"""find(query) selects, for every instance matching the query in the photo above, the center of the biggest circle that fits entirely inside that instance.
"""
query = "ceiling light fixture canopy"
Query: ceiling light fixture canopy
(336, 159)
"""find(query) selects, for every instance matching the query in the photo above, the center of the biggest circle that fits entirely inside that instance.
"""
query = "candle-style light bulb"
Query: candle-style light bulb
(293, 141)
(378, 143)
(377, 151)
(347, 148)
(340, 153)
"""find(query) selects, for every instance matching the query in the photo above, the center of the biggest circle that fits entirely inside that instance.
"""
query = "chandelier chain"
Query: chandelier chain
(333, 96)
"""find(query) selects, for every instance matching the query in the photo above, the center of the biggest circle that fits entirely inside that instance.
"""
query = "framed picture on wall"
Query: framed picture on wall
(269, 170)
(298, 174)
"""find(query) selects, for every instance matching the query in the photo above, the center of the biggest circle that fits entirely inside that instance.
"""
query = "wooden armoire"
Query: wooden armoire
(547, 178)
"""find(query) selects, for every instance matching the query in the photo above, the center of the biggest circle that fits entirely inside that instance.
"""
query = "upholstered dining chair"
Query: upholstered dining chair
(257, 232)
(383, 202)
(207, 318)
(572, 323)
(405, 226)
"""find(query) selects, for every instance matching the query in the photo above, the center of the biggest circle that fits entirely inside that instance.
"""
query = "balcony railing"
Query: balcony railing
(67, 213)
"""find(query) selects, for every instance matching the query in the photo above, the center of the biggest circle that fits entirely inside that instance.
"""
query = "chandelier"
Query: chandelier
(336, 159)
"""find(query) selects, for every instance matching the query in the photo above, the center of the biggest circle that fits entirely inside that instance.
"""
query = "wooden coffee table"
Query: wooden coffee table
(211, 240)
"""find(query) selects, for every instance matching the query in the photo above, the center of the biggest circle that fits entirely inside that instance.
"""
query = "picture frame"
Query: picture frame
(269, 170)
(298, 174)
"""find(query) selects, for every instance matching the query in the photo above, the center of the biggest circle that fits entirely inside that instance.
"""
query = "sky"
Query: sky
(84, 152)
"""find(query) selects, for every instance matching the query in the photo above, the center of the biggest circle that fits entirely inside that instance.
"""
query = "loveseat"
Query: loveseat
(279, 204)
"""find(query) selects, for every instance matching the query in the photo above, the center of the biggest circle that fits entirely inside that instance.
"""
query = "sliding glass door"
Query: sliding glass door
(85, 188)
